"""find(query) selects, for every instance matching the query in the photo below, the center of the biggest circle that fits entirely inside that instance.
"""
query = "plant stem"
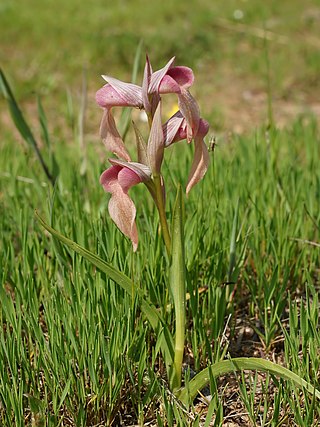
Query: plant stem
(179, 342)
(178, 289)
(159, 199)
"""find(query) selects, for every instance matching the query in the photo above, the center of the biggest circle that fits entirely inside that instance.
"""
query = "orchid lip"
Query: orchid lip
(140, 169)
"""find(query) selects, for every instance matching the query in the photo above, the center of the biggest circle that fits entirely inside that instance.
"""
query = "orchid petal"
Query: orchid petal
(158, 76)
(129, 92)
(176, 79)
(108, 97)
(182, 75)
(199, 164)
(143, 171)
(145, 85)
(141, 146)
(123, 212)
(127, 178)
(109, 179)
(117, 181)
(203, 128)
(155, 147)
(169, 85)
(111, 137)
(190, 110)
(174, 129)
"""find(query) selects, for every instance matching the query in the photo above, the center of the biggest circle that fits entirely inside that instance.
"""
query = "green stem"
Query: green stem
(179, 342)
(159, 199)
(178, 289)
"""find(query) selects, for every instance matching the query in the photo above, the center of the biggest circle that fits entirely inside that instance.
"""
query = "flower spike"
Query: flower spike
(185, 124)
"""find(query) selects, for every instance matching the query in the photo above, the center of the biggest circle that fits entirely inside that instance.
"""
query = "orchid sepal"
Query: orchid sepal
(142, 151)
(157, 76)
(199, 165)
(111, 137)
(155, 147)
(117, 180)
(190, 111)
(175, 129)
(130, 93)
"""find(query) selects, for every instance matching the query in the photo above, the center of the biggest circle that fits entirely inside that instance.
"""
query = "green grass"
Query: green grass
(45, 53)
(75, 349)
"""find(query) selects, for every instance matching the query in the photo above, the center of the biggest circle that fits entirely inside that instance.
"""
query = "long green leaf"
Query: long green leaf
(21, 124)
(122, 280)
(54, 167)
(241, 364)
(178, 288)
(233, 244)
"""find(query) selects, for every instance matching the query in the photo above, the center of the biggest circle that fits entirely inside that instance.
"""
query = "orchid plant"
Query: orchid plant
(124, 173)
(185, 124)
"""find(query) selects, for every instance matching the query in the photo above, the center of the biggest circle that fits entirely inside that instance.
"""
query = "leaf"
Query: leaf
(239, 364)
(54, 167)
(148, 309)
(15, 111)
(36, 405)
(21, 124)
(43, 123)
(64, 393)
(178, 288)
(233, 245)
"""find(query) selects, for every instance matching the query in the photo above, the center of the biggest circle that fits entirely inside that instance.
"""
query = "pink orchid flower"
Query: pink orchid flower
(169, 79)
(176, 129)
(117, 180)
(123, 175)
(177, 79)
(187, 124)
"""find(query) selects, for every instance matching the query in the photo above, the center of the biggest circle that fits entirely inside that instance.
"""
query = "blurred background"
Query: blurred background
(246, 54)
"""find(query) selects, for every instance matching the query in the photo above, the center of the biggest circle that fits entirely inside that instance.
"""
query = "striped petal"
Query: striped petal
(130, 93)
(199, 165)
(201, 156)
(155, 147)
(174, 129)
(111, 137)
(190, 111)
(117, 180)
(158, 76)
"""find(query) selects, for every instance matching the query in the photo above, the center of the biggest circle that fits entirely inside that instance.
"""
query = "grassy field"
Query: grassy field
(46, 45)
(75, 350)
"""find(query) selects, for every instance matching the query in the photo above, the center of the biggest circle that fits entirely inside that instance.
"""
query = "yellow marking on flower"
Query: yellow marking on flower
(172, 110)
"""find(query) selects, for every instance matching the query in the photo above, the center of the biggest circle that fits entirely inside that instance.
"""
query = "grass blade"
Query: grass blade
(54, 167)
(21, 124)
